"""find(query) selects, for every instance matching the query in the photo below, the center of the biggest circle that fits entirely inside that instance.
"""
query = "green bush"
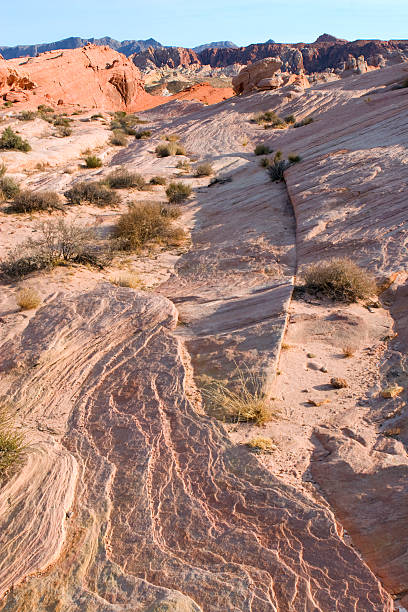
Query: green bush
(294, 159)
(146, 222)
(92, 161)
(63, 131)
(265, 162)
(36, 201)
(92, 192)
(204, 170)
(11, 140)
(262, 149)
(27, 115)
(290, 119)
(178, 192)
(123, 179)
(125, 123)
(339, 279)
(62, 121)
(8, 187)
(269, 119)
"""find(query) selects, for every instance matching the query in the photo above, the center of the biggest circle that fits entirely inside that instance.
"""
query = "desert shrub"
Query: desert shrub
(11, 444)
(8, 104)
(118, 139)
(303, 122)
(62, 121)
(290, 119)
(94, 192)
(277, 168)
(28, 298)
(63, 131)
(243, 399)
(9, 188)
(265, 162)
(178, 192)
(42, 108)
(125, 123)
(58, 243)
(97, 116)
(262, 149)
(269, 119)
(340, 279)
(204, 170)
(145, 222)
(172, 148)
(172, 137)
(11, 140)
(294, 159)
(142, 134)
(123, 179)
(27, 115)
(92, 161)
(3, 169)
(158, 180)
(36, 201)
(261, 445)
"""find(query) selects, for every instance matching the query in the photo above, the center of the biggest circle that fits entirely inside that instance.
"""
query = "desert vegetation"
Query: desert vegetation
(10, 140)
(305, 121)
(118, 139)
(158, 180)
(92, 161)
(11, 444)
(28, 298)
(143, 134)
(262, 149)
(146, 222)
(205, 169)
(9, 188)
(169, 149)
(93, 192)
(178, 192)
(339, 278)
(125, 123)
(28, 201)
(269, 119)
(124, 179)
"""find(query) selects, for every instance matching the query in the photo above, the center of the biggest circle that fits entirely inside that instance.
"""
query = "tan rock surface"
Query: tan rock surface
(249, 77)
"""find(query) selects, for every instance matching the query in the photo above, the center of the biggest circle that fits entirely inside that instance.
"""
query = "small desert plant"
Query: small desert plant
(36, 201)
(143, 134)
(340, 279)
(60, 120)
(277, 169)
(262, 149)
(8, 104)
(129, 279)
(118, 139)
(348, 351)
(42, 108)
(63, 131)
(172, 148)
(145, 222)
(12, 141)
(204, 170)
(172, 137)
(27, 115)
(265, 162)
(290, 119)
(11, 443)
(242, 400)
(94, 192)
(261, 445)
(184, 165)
(28, 298)
(97, 116)
(178, 192)
(269, 119)
(92, 161)
(294, 159)
(125, 123)
(158, 180)
(3, 169)
(305, 121)
(58, 243)
(123, 179)
(9, 188)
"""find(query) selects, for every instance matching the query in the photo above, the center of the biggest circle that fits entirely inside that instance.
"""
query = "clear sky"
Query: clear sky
(190, 22)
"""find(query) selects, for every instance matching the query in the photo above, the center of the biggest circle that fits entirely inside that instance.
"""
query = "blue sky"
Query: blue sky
(189, 23)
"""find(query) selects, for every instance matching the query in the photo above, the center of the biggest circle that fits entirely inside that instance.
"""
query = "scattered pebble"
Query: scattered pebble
(339, 383)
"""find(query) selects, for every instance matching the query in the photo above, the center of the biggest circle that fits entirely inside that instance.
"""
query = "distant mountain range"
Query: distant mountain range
(127, 47)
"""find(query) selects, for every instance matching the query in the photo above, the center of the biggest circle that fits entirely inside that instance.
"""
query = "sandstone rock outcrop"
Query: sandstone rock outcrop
(93, 76)
(264, 75)
(166, 508)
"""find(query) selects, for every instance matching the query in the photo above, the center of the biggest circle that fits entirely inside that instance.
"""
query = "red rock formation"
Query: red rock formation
(92, 76)
(166, 56)
(263, 75)
(204, 92)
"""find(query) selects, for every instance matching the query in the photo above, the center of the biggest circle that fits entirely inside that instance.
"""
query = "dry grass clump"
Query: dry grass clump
(184, 165)
(262, 149)
(171, 148)
(158, 180)
(9, 188)
(143, 134)
(341, 279)
(305, 121)
(294, 158)
(391, 391)
(261, 445)
(9, 140)
(36, 201)
(92, 161)
(28, 298)
(130, 280)
(348, 351)
(11, 444)
(27, 115)
(124, 123)
(123, 179)
(172, 137)
(178, 192)
(118, 139)
(242, 400)
(146, 222)
(94, 192)
(204, 170)
(63, 131)
(58, 243)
